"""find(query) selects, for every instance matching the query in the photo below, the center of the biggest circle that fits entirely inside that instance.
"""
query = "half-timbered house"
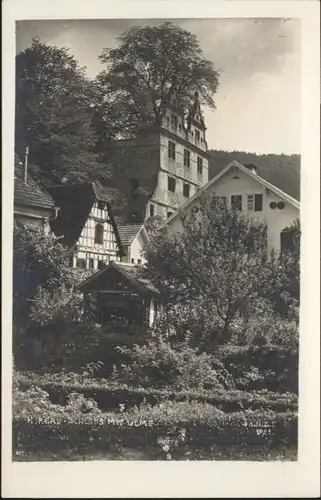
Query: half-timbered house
(86, 222)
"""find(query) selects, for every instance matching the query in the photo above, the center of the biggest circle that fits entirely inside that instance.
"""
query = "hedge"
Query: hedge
(277, 365)
(110, 395)
(243, 430)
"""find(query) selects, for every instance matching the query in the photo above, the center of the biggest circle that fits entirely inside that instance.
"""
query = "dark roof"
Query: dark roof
(127, 271)
(29, 193)
(75, 202)
(105, 193)
(128, 232)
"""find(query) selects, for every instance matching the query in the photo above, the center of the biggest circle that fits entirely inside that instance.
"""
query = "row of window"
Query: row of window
(254, 202)
(81, 264)
(171, 185)
(187, 157)
(173, 120)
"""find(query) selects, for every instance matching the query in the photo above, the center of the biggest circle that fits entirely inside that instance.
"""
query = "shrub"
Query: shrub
(270, 367)
(110, 395)
(74, 346)
(156, 364)
(203, 429)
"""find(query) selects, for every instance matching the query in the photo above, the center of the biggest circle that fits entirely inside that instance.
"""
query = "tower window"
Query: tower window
(187, 158)
(186, 188)
(174, 121)
(197, 135)
(171, 150)
(236, 202)
(199, 165)
(99, 234)
(171, 184)
(100, 205)
(151, 210)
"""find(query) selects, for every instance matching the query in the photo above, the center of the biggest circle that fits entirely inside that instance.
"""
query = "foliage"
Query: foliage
(56, 308)
(55, 106)
(150, 65)
(75, 346)
(39, 260)
(203, 429)
(271, 367)
(217, 265)
(281, 170)
(111, 395)
(264, 327)
(156, 364)
(153, 225)
(283, 288)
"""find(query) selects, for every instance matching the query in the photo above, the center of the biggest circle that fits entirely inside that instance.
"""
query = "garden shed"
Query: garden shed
(118, 293)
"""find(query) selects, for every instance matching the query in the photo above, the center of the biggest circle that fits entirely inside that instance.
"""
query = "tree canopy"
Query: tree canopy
(55, 109)
(217, 264)
(150, 65)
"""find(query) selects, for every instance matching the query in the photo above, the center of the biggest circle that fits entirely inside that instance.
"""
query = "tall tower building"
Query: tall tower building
(163, 166)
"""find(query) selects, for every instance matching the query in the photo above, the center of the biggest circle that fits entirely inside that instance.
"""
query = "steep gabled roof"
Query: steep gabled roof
(128, 232)
(75, 202)
(99, 280)
(245, 170)
(29, 193)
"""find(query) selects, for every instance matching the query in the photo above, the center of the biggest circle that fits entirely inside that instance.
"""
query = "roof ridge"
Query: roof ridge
(233, 163)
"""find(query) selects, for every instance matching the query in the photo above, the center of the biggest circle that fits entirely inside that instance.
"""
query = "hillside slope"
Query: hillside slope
(281, 170)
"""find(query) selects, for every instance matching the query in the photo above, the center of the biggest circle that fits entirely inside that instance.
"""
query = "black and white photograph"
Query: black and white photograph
(156, 239)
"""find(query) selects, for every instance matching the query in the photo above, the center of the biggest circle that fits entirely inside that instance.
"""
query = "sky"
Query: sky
(258, 99)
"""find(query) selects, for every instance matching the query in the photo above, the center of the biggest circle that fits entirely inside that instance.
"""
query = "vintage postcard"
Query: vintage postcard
(161, 249)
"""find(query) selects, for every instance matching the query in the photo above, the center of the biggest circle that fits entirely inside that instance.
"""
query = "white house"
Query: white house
(134, 239)
(241, 186)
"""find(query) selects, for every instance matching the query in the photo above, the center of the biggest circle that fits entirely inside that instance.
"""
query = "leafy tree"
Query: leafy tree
(217, 266)
(283, 288)
(149, 66)
(55, 109)
(39, 261)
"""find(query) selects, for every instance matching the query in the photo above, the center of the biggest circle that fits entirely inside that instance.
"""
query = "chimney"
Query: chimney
(26, 164)
(253, 168)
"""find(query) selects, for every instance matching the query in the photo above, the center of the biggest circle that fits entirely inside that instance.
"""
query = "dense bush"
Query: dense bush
(110, 395)
(201, 427)
(74, 346)
(156, 364)
(270, 367)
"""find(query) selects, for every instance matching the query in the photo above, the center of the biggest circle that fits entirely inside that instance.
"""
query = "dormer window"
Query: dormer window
(99, 234)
